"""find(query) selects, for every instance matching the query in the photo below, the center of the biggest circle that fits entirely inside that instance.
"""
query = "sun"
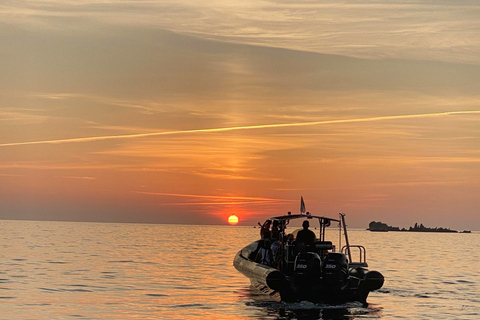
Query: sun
(233, 219)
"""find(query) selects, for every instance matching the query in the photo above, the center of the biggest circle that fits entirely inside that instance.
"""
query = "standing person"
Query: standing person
(265, 230)
(265, 255)
(306, 236)
(275, 230)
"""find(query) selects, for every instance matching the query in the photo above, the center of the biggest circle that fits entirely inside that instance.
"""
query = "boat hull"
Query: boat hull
(266, 279)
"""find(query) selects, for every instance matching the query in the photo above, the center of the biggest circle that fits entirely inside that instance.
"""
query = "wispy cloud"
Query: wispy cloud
(11, 175)
(19, 116)
(49, 165)
(413, 184)
(79, 177)
(146, 107)
(235, 176)
(444, 31)
(216, 199)
(238, 128)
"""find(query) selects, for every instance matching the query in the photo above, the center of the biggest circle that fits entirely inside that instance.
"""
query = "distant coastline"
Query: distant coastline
(379, 226)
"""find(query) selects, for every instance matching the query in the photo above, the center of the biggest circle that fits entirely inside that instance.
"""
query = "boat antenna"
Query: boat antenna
(342, 215)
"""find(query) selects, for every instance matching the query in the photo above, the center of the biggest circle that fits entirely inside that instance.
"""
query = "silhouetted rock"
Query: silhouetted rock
(422, 228)
(380, 226)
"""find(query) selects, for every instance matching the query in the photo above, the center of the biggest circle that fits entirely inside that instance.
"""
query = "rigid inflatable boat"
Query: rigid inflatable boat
(317, 271)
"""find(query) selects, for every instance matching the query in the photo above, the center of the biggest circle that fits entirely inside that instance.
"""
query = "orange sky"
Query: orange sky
(187, 114)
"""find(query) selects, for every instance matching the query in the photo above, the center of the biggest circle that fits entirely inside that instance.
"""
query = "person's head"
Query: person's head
(305, 224)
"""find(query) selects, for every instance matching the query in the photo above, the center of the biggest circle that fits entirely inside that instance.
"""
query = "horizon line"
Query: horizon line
(59, 220)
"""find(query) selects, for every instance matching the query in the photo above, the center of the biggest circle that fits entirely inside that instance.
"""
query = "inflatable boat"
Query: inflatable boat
(288, 268)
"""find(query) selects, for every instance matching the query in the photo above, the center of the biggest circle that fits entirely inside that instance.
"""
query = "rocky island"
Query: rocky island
(383, 227)
(380, 226)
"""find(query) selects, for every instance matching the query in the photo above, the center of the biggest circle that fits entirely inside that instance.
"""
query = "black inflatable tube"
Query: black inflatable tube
(276, 280)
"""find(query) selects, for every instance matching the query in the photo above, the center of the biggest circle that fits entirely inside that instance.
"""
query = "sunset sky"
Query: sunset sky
(190, 111)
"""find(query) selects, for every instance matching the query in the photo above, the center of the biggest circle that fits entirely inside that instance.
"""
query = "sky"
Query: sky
(190, 111)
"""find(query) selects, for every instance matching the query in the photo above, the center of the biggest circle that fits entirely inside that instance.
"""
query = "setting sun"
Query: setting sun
(233, 219)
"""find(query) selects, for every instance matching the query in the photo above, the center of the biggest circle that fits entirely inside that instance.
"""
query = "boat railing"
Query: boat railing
(362, 256)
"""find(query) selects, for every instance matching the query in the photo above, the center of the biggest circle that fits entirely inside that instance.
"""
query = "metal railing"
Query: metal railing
(362, 257)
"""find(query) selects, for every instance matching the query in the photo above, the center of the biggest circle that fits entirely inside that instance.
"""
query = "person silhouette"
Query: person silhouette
(265, 254)
(306, 236)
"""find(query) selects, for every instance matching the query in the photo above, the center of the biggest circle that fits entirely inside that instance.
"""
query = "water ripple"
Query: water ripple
(110, 271)
(156, 295)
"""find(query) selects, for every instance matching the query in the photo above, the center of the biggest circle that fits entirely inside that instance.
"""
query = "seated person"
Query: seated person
(290, 247)
(290, 238)
(306, 236)
(276, 251)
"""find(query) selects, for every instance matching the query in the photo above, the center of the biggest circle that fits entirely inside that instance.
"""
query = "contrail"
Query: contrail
(252, 127)
(209, 197)
(217, 200)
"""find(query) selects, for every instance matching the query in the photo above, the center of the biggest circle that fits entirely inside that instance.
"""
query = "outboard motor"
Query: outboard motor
(306, 272)
(335, 274)
(373, 280)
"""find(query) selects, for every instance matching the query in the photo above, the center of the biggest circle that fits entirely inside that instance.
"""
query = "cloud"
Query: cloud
(235, 176)
(79, 178)
(444, 30)
(21, 116)
(146, 107)
(11, 175)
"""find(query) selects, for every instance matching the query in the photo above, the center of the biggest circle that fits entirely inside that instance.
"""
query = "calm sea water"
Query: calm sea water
(63, 270)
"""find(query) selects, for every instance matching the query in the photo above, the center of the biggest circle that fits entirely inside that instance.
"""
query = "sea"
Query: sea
(77, 270)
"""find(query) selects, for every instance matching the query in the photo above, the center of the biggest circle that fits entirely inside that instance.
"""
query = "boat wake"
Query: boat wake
(304, 310)
(309, 310)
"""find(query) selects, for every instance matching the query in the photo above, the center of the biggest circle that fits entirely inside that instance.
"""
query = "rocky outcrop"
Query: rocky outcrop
(380, 226)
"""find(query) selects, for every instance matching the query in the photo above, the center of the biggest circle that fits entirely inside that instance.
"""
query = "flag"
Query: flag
(302, 206)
